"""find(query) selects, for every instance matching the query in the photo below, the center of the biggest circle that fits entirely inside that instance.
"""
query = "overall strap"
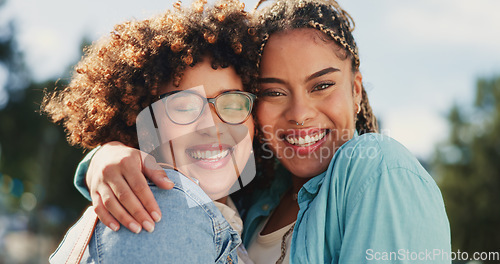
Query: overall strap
(89, 221)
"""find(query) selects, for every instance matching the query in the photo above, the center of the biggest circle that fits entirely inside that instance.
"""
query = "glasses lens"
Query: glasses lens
(183, 107)
(233, 108)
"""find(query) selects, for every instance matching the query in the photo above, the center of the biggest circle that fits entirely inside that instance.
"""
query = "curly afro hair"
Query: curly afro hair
(120, 74)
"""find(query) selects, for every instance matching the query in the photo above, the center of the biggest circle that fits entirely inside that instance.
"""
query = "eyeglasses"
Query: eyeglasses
(185, 107)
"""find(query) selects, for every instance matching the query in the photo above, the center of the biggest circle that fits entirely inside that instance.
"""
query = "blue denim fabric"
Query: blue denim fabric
(374, 198)
(192, 230)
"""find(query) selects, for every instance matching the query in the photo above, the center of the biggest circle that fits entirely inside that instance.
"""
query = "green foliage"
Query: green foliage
(35, 158)
(35, 152)
(469, 168)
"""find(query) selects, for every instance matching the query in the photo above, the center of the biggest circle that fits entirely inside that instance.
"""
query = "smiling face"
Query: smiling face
(303, 80)
(201, 145)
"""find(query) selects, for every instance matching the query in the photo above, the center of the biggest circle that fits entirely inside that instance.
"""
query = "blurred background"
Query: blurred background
(431, 68)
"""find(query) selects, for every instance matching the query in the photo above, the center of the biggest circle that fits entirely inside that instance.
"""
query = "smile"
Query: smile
(307, 140)
(207, 155)
(210, 156)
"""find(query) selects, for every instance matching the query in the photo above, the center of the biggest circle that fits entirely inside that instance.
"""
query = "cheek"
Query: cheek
(178, 132)
(266, 114)
(237, 134)
(250, 127)
(265, 121)
(339, 109)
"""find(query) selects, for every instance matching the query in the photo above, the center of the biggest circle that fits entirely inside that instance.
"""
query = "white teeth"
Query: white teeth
(305, 141)
(208, 155)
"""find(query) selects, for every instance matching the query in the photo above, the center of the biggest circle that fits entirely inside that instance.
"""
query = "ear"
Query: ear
(357, 88)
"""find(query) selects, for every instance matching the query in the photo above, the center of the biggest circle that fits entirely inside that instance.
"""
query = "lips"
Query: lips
(210, 156)
(213, 155)
(305, 141)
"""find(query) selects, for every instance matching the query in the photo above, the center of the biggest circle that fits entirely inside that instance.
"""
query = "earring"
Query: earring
(359, 108)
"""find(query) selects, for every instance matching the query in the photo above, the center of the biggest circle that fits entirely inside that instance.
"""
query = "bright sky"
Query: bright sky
(417, 57)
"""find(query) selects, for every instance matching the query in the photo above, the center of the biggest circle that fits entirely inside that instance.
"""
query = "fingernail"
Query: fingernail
(148, 226)
(114, 227)
(135, 228)
(156, 216)
(166, 179)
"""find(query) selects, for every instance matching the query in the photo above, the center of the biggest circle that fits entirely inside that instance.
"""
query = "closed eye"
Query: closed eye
(233, 107)
(186, 109)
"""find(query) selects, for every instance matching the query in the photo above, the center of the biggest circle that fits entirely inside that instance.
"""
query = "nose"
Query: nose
(209, 123)
(300, 109)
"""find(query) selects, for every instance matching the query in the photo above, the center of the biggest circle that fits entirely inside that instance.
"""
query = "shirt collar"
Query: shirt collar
(311, 188)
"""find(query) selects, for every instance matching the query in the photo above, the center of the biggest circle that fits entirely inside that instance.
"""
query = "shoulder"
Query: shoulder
(373, 145)
(379, 152)
(190, 230)
(378, 161)
(185, 196)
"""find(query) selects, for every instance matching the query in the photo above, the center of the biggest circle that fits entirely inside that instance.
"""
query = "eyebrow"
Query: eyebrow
(310, 77)
(271, 80)
(321, 73)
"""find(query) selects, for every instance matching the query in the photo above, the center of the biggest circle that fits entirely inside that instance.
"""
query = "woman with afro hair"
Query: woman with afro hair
(185, 72)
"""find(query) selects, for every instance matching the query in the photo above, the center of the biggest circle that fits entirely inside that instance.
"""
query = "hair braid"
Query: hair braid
(366, 121)
(323, 15)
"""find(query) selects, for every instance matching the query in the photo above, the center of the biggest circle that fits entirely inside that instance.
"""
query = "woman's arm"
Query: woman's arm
(117, 185)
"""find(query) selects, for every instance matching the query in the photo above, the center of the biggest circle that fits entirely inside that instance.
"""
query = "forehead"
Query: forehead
(303, 38)
(214, 81)
(303, 49)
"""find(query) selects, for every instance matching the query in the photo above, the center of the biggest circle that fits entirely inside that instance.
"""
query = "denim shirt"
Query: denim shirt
(192, 230)
(374, 204)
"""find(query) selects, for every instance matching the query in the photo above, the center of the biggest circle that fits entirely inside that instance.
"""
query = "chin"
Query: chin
(308, 170)
(217, 191)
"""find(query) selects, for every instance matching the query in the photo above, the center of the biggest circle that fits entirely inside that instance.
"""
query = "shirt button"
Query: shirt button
(265, 207)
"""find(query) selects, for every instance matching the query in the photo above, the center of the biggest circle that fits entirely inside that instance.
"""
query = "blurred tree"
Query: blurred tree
(36, 162)
(469, 167)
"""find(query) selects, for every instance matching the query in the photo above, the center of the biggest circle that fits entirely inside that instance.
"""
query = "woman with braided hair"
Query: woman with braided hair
(335, 190)
(355, 196)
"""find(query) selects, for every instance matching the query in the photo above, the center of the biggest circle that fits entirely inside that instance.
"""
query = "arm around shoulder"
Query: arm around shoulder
(81, 172)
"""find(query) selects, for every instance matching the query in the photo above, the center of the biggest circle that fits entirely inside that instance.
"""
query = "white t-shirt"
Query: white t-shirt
(266, 249)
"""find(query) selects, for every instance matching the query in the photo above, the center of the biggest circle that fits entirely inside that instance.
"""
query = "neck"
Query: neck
(222, 200)
(297, 183)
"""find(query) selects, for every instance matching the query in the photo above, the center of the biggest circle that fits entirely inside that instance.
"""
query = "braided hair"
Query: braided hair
(326, 16)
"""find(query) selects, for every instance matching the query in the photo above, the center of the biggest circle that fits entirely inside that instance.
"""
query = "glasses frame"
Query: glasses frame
(206, 100)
